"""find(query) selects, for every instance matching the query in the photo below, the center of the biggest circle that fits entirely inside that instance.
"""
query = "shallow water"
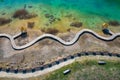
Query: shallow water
(91, 12)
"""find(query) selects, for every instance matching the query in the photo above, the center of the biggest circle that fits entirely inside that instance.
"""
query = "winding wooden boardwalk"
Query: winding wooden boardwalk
(55, 38)
(57, 64)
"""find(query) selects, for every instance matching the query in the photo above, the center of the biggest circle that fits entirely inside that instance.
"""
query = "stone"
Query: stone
(76, 24)
(51, 20)
(101, 62)
(68, 30)
(66, 71)
(25, 6)
(30, 24)
(50, 31)
(23, 14)
(20, 13)
(114, 23)
(4, 21)
(30, 6)
(49, 16)
(58, 19)
(3, 13)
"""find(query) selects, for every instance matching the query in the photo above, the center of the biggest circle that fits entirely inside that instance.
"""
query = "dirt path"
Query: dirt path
(45, 71)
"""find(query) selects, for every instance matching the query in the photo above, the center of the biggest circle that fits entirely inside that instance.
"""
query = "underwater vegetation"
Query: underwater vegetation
(30, 24)
(4, 21)
(76, 24)
(1, 0)
(61, 14)
(23, 14)
(114, 23)
(50, 31)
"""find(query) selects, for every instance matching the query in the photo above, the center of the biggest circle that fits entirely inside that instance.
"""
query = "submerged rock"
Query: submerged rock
(49, 16)
(76, 24)
(25, 6)
(20, 13)
(50, 31)
(4, 21)
(30, 6)
(114, 23)
(23, 14)
(51, 20)
(3, 13)
(30, 24)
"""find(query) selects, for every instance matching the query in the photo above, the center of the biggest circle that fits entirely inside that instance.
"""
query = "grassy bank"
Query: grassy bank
(83, 70)
(88, 70)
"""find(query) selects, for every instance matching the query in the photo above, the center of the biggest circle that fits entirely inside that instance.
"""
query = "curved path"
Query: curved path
(76, 38)
(57, 64)
(34, 72)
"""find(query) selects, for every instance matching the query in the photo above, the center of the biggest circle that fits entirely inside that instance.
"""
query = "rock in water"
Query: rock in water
(76, 24)
(114, 23)
(30, 24)
(4, 21)
(23, 14)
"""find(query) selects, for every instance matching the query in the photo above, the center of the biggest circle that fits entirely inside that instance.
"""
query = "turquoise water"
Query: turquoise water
(88, 11)
(107, 8)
